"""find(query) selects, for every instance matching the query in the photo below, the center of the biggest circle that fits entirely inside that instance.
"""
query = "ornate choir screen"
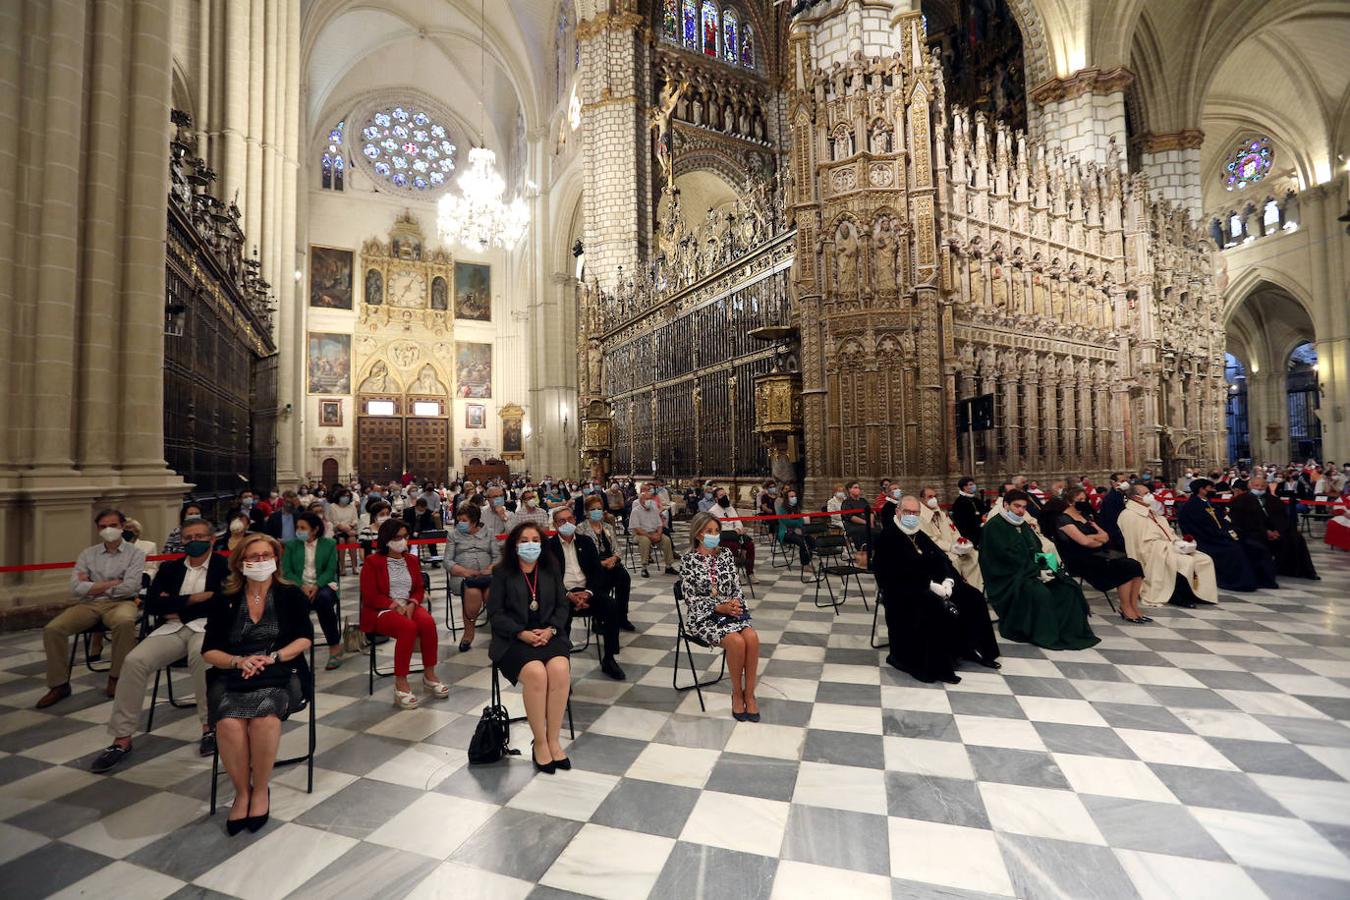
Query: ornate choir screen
(220, 365)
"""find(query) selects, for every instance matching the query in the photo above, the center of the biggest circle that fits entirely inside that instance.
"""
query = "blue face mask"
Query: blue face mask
(1258, 491)
(908, 521)
(529, 550)
(498, 501)
(1013, 517)
(792, 501)
(567, 529)
(463, 527)
(712, 541)
(596, 515)
(345, 501)
(301, 535)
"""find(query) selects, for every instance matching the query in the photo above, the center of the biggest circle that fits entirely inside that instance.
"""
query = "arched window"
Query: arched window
(748, 46)
(670, 19)
(407, 149)
(1248, 164)
(691, 23)
(731, 36)
(709, 28)
(1305, 428)
(1270, 221)
(332, 168)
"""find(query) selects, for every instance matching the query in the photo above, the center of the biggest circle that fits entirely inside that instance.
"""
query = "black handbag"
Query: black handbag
(492, 737)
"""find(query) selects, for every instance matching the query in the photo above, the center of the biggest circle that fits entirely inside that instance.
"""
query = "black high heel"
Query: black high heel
(234, 826)
(549, 767)
(255, 823)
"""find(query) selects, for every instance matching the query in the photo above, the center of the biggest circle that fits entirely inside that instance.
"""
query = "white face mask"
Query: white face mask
(839, 495)
(1123, 485)
(931, 503)
(260, 571)
(398, 546)
(236, 526)
(110, 534)
(381, 519)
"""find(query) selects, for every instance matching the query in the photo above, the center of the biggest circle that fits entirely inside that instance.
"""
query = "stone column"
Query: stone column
(1172, 164)
(1082, 113)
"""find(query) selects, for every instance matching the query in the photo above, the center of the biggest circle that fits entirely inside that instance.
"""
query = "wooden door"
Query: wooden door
(428, 447)
(379, 447)
(330, 471)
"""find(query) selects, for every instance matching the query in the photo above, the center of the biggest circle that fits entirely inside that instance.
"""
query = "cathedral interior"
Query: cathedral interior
(323, 242)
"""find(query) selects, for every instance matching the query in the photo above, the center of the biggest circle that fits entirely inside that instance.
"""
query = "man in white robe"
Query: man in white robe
(1151, 541)
(935, 523)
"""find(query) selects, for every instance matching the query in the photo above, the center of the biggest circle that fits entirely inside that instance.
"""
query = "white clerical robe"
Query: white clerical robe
(938, 526)
(1149, 540)
(1047, 545)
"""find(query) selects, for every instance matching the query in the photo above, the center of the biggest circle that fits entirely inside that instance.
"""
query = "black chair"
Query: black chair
(828, 555)
(496, 700)
(876, 613)
(308, 758)
(1059, 541)
(733, 543)
(167, 673)
(681, 635)
(93, 663)
(376, 640)
(432, 555)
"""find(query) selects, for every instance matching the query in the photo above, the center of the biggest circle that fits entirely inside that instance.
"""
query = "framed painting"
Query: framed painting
(475, 415)
(511, 442)
(329, 363)
(330, 413)
(330, 278)
(473, 370)
(473, 292)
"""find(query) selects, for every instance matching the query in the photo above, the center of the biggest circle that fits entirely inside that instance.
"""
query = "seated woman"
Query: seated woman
(934, 618)
(1083, 547)
(717, 614)
(735, 535)
(1035, 604)
(527, 612)
(310, 561)
(790, 529)
(258, 632)
(174, 542)
(391, 603)
(471, 554)
(344, 525)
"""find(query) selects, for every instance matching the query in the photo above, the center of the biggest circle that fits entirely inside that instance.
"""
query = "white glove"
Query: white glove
(1047, 576)
(949, 584)
(937, 589)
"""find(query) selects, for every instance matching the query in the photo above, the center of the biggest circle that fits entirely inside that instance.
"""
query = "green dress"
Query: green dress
(1054, 615)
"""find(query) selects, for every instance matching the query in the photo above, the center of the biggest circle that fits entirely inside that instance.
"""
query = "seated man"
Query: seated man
(1171, 575)
(1239, 567)
(181, 595)
(735, 536)
(586, 582)
(1112, 505)
(419, 517)
(1260, 517)
(645, 522)
(528, 511)
(281, 523)
(940, 529)
(106, 581)
(968, 510)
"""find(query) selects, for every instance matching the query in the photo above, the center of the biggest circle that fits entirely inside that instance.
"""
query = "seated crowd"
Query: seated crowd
(233, 604)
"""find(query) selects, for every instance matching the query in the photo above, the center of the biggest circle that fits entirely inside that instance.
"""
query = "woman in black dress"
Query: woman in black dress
(1083, 546)
(527, 612)
(258, 634)
(934, 618)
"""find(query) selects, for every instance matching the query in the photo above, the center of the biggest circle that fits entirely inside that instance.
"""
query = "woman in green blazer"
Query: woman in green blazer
(311, 561)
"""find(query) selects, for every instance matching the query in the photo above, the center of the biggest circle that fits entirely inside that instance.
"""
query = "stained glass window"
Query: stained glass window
(730, 35)
(331, 166)
(709, 28)
(1249, 163)
(671, 19)
(748, 47)
(403, 146)
(691, 23)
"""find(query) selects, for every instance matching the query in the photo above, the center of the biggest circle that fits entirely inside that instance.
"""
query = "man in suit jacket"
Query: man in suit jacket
(180, 596)
(281, 523)
(1262, 518)
(248, 505)
(968, 510)
(419, 517)
(587, 585)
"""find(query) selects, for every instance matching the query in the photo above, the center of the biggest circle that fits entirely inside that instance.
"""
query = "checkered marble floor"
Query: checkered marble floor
(1204, 756)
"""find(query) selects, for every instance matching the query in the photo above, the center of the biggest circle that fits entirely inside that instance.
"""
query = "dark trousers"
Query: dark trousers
(801, 542)
(609, 606)
(325, 606)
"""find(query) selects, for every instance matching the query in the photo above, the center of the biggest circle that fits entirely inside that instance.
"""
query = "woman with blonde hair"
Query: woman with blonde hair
(256, 639)
(716, 610)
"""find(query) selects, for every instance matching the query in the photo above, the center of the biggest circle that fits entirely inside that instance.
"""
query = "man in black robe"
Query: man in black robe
(1262, 518)
(934, 618)
(1238, 566)
(968, 510)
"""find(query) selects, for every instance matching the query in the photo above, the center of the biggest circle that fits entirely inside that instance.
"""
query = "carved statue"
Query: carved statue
(427, 382)
(846, 251)
(378, 381)
(659, 119)
(883, 254)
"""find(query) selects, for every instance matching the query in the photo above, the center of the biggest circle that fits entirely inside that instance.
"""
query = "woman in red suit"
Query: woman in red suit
(391, 604)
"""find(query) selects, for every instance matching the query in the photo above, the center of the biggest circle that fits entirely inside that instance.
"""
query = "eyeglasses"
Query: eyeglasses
(260, 557)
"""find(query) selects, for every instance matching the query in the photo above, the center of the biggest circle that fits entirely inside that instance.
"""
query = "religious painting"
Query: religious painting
(511, 442)
(473, 370)
(374, 287)
(330, 278)
(473, 292)
(330, 413)
(475, 416)
(330, 363)
(440, 293)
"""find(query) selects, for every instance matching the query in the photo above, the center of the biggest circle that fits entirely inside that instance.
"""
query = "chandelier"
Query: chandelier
(477, 217)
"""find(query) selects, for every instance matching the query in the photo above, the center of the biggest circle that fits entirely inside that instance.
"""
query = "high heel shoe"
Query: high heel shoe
(563, 765)
(255, 823)
(234, 826)
(549, 767)
(1136, 620)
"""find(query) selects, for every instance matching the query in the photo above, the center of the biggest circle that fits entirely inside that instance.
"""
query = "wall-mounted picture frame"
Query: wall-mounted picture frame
(330, 278)
(475, 415)
(330, 413)
(330, 363)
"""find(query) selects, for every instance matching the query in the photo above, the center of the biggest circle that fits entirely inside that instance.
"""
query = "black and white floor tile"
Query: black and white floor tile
(1207, 755)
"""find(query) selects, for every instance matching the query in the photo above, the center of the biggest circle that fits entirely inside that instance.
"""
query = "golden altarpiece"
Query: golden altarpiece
(403, 352)
(910, 255)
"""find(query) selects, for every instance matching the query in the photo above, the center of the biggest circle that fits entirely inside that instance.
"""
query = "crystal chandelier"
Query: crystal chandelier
(477, 217)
